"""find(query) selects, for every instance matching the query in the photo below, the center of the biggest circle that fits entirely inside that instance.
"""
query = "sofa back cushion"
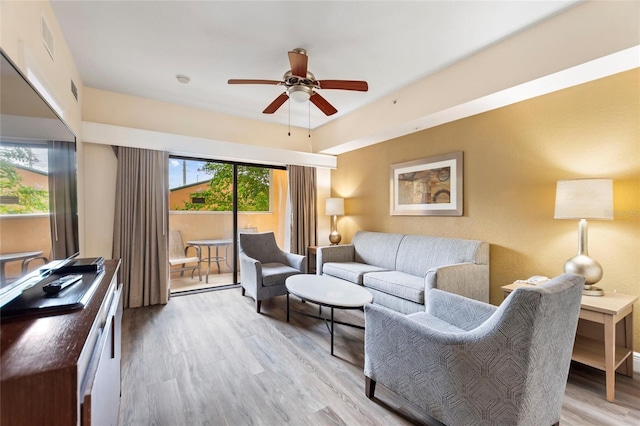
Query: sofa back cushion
(417, 254)
(377, 248)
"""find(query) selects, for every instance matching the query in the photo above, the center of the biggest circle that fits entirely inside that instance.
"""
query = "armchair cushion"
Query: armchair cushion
(275, 273)
(434, 322)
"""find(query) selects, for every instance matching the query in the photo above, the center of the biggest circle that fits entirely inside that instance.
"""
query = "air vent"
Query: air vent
(47, 37)
(74, 90)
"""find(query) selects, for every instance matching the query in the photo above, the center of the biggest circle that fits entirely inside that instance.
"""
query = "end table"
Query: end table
(604, 339)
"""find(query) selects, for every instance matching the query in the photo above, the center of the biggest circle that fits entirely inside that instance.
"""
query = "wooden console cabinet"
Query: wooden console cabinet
(64, 369)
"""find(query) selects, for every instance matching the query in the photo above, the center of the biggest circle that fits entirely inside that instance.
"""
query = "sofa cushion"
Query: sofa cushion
(276, 273)
(349, 271)
(417, 254)
(399, 284)
(394, 303)
(377, 248)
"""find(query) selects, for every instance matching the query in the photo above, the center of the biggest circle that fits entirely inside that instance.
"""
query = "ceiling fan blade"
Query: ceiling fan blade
(240, 81)
(277, 103)
(360, 86)
(298, 63)
(323, 104)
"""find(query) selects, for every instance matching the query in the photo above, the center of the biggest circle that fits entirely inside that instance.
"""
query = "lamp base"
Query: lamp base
(585, 266)
(590, 290)
(335, 238)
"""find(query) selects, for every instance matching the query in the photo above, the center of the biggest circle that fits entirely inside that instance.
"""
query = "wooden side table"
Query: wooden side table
(604, 339)
(311, 259)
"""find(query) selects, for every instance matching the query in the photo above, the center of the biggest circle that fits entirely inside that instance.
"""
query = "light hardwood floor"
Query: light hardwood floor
(209, 359)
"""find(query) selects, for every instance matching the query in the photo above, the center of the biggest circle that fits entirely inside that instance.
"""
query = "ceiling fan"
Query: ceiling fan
(302, 85)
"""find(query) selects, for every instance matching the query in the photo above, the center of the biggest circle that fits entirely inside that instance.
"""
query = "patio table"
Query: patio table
(217, 258)
(10, 257)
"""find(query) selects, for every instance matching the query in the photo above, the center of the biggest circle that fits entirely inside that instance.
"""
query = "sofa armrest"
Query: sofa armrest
(466, 279)
(297, 261)
(457, 310)
(343, 253)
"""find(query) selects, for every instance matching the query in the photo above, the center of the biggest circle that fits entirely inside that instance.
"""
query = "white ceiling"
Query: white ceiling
(138, 47)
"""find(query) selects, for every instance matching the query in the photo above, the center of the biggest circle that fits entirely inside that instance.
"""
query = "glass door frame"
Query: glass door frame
(234, 212)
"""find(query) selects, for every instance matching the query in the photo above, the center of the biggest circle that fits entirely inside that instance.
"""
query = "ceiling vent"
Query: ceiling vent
(47, 37)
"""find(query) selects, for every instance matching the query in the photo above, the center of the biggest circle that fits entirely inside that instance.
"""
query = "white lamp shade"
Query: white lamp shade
(584, 199)
(335, 206)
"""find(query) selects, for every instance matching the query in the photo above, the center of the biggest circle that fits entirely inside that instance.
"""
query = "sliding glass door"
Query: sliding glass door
(211, 202)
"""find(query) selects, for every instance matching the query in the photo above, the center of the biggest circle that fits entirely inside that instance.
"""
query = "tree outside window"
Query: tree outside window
(253, 189)
(15, 196)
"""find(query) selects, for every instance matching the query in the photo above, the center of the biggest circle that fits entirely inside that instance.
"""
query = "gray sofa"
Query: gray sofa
(399, 269)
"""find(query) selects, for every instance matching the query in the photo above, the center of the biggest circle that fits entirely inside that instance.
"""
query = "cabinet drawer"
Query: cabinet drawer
(101, 399)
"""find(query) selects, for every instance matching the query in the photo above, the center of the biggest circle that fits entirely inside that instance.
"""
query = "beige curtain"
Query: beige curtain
(304, 218)
(140, 228)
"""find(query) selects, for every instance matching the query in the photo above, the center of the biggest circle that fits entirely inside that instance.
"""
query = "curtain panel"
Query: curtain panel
(140, 225)
(304, 218)
(63, 199)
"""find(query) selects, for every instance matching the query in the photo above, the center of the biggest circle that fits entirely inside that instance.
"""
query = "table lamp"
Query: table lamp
(584, 199)
(335, 208)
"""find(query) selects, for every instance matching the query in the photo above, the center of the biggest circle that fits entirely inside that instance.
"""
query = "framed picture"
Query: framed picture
(427, 187)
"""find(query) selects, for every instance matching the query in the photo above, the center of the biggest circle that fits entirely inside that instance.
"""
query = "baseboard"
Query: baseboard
(636, 362)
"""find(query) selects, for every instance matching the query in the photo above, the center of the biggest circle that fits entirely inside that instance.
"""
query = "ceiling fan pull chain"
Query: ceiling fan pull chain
(289, 117)
(309, 104)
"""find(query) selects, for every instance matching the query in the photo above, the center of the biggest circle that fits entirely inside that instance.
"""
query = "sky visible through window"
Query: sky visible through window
(185, 172)
(40, 155)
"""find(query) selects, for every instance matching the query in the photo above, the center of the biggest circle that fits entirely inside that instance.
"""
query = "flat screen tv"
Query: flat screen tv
(27, 122)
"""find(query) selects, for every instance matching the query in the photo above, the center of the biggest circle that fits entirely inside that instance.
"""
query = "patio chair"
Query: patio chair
(264, 267)
(466, 362)
(26, 264)
(178, 255)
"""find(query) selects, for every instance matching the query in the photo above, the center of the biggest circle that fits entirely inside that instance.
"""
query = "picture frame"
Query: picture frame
(428, 187)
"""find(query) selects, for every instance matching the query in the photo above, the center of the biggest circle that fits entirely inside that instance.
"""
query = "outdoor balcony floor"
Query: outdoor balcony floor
(181, 284)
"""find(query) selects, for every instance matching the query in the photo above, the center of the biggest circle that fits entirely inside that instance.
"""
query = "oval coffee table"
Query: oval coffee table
(329, 292)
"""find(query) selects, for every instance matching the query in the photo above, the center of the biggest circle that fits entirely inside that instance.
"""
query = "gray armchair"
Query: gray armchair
(467, 363)
(264, 267)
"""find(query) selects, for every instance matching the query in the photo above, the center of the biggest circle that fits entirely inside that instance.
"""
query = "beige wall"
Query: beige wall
(99, 198)
(130, 111)
(20, 39)
(501, 72)
(513, 157)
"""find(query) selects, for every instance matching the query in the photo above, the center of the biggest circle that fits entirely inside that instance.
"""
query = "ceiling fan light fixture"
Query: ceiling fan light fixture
(300, 93)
